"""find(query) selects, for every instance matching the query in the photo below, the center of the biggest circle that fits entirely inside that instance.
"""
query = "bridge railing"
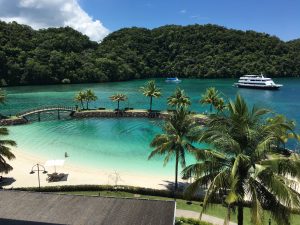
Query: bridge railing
(47, 108)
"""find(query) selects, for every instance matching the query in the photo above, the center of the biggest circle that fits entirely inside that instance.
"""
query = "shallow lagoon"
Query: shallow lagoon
(121, 144)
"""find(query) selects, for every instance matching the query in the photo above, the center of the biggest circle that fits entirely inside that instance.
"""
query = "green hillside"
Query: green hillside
(63, 55)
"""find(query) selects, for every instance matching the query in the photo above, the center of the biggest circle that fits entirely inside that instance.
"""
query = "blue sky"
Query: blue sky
(96, 18)
(276, 17)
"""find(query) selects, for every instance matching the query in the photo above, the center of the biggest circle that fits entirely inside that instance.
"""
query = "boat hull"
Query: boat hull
(259, 87)
(173, 81)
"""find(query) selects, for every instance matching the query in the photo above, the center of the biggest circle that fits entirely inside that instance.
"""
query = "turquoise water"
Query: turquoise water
(121, 144)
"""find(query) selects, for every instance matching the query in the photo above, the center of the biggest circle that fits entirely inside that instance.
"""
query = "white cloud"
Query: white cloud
(183, 11)
(52, 13)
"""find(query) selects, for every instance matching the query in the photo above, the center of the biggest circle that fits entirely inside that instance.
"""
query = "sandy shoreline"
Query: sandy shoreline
(76, 175)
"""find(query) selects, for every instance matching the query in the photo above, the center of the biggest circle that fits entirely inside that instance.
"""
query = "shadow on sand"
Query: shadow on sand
(6, 181)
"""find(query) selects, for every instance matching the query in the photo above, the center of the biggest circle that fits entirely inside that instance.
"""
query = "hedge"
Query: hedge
(129, 189)
(184, 221)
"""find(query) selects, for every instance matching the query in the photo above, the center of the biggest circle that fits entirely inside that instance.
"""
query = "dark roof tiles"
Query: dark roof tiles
(20, 207)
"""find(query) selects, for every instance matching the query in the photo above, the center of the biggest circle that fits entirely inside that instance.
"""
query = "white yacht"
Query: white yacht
(257, 82)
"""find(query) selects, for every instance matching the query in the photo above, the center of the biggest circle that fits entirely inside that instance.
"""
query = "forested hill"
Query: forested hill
(63, 55)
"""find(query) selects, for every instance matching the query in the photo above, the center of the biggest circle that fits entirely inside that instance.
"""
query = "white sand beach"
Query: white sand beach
(76, 175)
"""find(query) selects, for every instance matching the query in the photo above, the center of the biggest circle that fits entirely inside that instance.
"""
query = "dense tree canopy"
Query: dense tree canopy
(63, 55)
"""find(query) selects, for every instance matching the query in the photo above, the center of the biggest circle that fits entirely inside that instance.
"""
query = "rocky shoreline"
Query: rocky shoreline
(120, 113)
(107, 114)
(13, 121)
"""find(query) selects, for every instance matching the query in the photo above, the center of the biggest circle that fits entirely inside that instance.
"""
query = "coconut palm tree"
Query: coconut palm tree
(175, 140)
(151, 90)
(80, 97)
(179, 99)
(5, 152)
(220, 105)
(2, 96)
(210, 97)
(4, 144)
(245, 164)
(90, 97)
(118, 98)
(284, 135)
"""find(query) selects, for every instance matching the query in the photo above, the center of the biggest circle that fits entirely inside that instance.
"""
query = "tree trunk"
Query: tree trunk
(87, 105)
(227, 220)
(211, 105)
(82, 106)
(176, 172)
(118, 105)
(150, 103)
(240, 215)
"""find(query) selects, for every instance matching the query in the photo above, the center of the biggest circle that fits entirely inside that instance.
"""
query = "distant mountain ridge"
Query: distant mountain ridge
(63, 55)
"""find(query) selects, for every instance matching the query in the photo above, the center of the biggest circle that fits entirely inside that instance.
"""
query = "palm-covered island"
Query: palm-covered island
(63, 55)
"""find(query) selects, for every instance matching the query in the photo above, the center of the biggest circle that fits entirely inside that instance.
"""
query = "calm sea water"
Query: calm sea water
(121, 144)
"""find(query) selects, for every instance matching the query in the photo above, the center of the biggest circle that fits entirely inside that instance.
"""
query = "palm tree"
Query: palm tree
(80, 97)
(220, 105)
(210, 97)
(4, 149)
(118, 98)
(179, 99)
(5, 152)
(246, 164)
(175, 140)
(89, 97)
(284, 135)
(151, 90)
(2, 96)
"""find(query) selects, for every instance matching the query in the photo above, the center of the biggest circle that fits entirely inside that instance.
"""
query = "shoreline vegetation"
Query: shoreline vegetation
(64, 56)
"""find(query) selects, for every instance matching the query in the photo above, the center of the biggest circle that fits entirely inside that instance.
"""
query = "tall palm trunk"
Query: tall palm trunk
(210, 109)
(227, 220)
(87, 105)
(176, 171)
(82, 106)
(150, 103)
(118, 105)
(240, 215)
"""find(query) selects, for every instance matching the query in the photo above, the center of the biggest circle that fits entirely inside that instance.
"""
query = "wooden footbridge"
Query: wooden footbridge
(45, 109)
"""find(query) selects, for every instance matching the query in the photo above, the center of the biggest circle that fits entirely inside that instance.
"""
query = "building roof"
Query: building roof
(23, 208)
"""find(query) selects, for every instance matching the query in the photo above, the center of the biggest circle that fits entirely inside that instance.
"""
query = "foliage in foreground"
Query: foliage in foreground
(5, 151)
(179, 99)
(63, 55)
(175, 139)
(185, 221)
(247, 160)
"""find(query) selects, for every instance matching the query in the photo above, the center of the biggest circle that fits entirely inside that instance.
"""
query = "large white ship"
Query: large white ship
(257, 82)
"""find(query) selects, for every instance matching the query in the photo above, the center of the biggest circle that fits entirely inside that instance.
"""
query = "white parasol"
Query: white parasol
(55, 163)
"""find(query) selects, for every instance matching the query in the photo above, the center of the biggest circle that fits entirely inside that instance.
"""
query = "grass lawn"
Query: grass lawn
(216, 210)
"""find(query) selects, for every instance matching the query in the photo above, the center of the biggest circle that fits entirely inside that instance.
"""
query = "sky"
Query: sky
(97, 18)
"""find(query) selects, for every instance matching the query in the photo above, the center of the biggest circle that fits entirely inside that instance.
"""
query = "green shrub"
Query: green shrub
(184, 221)
(129, 189)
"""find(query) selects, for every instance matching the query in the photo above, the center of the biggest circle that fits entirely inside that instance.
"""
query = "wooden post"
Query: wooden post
(58, 115)
(39, 117)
